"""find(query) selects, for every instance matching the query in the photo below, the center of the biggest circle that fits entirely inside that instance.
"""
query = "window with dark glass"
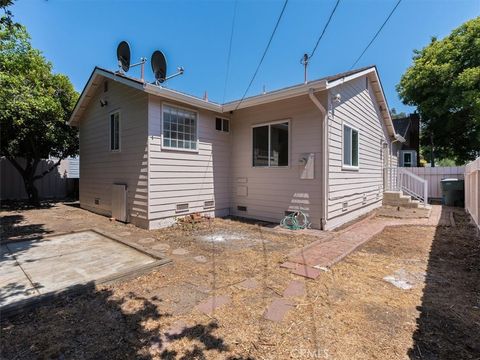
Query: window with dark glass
(222, 124)
(115, 131)
(350, 146)
(270, 145)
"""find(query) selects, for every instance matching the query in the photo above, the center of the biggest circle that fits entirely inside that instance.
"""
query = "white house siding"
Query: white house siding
(358, 109)
(177, 177)
(269, 192)
(99, 167)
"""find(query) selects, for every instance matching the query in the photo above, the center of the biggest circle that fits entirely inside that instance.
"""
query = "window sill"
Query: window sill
(271, 167)
(168, 148)
(115, 151)
(350, 168)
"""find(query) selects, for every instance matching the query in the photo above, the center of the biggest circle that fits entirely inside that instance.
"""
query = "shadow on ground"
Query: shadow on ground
(95, 324)
(449, 323)
(13, 228)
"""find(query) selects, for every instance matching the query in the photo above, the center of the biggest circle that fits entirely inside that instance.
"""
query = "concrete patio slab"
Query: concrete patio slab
(37, 267)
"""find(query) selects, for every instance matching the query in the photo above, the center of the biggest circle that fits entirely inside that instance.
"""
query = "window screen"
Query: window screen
(350, 146)
(115, 131)
(179, 128)
(270, 145)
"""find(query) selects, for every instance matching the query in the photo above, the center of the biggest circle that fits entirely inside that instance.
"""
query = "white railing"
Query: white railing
(400, 179)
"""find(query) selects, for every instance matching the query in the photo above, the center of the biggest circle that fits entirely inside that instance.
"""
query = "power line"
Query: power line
(229, 51)
(378, 32)
(264, 53)
(324, 29)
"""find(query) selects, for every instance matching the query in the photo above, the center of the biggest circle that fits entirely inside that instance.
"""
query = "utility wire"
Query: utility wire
(229, 51)
(378, 32)
(264, 53)
(324, 29)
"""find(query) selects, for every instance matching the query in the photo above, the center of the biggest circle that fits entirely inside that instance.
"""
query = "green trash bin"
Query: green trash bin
(453, 192)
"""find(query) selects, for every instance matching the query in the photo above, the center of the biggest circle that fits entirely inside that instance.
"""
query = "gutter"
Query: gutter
(324, 167)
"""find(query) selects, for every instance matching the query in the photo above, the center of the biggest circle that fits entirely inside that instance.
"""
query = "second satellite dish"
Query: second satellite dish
(159, 66)
(123, 56)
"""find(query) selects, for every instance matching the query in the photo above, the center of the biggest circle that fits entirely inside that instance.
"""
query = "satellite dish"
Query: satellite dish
(159, 66)
(123, 56)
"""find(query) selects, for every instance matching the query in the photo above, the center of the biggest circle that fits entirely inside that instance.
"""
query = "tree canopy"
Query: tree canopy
(34, 106)
(444, 84)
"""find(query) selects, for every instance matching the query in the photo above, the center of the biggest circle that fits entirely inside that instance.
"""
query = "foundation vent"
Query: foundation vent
(182, 207)
(364, 200)
(209, 204)
(97, 201)
(345, 206)
(241, 208)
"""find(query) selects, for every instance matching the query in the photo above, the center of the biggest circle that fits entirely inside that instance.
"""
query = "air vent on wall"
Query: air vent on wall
(364, 201)
(345, 206)
(209, 204)
(182, 207)
(97, 201)
(241, 208)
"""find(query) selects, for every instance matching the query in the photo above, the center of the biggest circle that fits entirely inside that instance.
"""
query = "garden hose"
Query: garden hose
(295, 221)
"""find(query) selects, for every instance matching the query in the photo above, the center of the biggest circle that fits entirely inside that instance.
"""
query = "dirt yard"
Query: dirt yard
(428, 309)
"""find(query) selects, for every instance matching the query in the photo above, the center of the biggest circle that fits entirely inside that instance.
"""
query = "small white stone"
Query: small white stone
(200, 259)
(180, 251)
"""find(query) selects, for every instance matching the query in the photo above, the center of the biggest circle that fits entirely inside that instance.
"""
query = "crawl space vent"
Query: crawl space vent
(182, 207)
(241, 208)
(209, 204)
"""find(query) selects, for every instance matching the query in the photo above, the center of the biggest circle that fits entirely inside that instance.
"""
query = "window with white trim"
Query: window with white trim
(270, 145)
(350, 147)
(179, 128)
(115, 131)
(222, 124)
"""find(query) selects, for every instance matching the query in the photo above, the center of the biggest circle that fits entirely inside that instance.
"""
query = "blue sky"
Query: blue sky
(77, 35)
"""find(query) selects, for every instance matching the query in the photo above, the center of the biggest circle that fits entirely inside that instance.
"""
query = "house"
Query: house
(150, 154)
(409, 128)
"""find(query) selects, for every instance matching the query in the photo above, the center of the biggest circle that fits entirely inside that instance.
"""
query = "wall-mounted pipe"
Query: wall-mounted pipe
(324, 175)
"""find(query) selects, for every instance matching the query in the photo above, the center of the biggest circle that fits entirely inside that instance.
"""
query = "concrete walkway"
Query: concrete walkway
(326, 252)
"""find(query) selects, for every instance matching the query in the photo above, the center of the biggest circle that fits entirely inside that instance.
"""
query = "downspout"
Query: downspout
(324, 175)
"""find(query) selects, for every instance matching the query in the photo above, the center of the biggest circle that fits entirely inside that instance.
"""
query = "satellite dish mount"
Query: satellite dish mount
(123, 56)
(159, 68)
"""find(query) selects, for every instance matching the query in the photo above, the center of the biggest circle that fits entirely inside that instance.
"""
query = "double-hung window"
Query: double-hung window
(115, 131)
(271, 144)
(350, 147)
(179, 128)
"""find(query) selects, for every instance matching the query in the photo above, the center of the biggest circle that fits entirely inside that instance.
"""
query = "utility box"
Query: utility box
(119, 202)
(453, 192)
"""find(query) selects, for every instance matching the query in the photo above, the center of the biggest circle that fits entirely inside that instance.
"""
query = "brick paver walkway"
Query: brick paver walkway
(326, 252)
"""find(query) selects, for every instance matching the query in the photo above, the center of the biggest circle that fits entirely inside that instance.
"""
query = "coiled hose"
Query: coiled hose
(295, 221)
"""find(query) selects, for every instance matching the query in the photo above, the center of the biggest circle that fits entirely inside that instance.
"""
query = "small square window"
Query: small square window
(222, 124)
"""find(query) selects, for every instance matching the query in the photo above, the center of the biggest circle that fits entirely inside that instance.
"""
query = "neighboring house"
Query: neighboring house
(409, 129)
(150, 154)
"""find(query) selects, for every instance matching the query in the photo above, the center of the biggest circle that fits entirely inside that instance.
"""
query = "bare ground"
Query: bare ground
(349, 312)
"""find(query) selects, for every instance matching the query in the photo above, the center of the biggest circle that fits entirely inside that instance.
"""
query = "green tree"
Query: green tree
(34, 107)
(444, 84)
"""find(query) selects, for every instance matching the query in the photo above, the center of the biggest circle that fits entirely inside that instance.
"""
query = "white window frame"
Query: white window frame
(119, 112)
(411, 152)
(346, 166)
(162, 147)
(289, 144)
(222, 130)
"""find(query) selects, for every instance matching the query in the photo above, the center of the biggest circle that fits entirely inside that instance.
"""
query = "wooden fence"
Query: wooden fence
(58, 184)
(435, 174)
(472, 190)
